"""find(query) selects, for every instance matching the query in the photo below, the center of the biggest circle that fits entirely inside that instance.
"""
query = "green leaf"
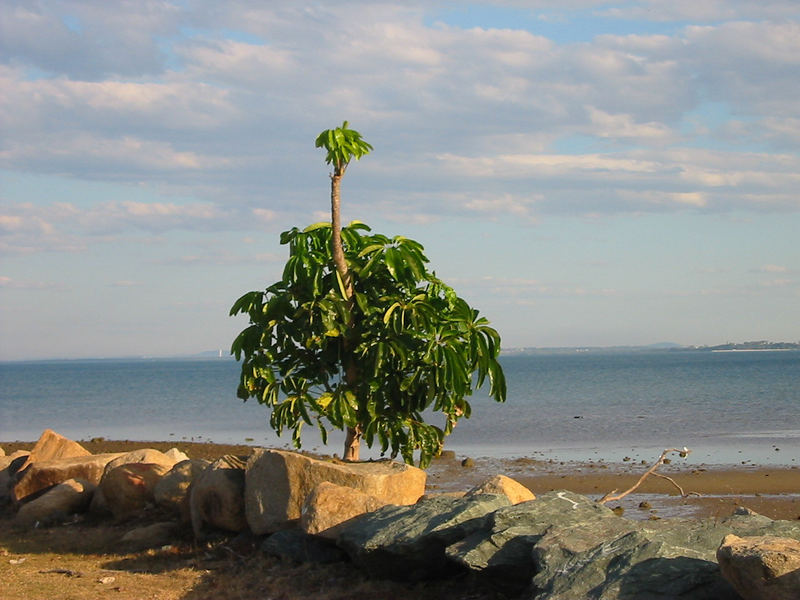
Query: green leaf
(393, 261)
(370, 249)
(389, 311)
(315, 226)
(342, 289)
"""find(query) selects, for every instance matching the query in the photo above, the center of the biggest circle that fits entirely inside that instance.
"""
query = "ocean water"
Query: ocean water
(727, 407)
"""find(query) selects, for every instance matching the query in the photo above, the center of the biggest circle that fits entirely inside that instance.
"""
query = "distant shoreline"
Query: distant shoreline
(214, 355)
(756, 350)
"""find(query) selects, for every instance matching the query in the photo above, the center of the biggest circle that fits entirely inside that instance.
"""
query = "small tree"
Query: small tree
(343, 145)
(366, 342)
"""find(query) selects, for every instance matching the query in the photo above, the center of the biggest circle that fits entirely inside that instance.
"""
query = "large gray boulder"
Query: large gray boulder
(761, 567)
(216, 496)
(278, 482)
(408, 542)
(642, 560)
(67, 498)
(631, 565)
(502, 550)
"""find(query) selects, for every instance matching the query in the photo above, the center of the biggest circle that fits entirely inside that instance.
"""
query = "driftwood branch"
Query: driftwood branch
(683, 452)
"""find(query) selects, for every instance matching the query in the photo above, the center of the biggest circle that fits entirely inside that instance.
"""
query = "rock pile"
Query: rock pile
(559, 546)
(263, 493)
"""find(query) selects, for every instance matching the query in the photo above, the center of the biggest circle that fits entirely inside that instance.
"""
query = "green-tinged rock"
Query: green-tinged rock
(502, 550)
(408, 542)
(642, 560)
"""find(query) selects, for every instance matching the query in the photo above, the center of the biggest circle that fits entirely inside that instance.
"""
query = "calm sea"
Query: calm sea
(728, 407)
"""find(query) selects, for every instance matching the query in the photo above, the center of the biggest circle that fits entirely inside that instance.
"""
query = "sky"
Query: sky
(584, 172)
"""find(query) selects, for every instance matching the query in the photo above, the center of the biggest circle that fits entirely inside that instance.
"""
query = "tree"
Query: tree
(342, 145)
(369, 344)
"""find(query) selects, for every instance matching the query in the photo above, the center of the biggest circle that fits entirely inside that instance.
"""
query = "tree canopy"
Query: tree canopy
(359, 335)
(416, 344)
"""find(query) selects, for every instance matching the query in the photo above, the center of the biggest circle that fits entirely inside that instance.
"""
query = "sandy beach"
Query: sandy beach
(82, 559)
(709, 490)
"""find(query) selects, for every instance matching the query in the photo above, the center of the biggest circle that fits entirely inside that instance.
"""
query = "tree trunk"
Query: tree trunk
(336, 239)
(352, 442)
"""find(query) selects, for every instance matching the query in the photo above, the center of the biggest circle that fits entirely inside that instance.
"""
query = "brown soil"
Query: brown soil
(82, 559)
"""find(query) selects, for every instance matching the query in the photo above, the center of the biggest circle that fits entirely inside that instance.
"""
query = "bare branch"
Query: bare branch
(683, 452)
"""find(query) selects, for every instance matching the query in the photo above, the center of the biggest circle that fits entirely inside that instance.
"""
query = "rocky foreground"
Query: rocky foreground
(559, 545)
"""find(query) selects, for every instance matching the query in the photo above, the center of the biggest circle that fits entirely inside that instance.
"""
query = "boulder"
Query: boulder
(150, 536)
(172, 490)
(44, 474)
(500, 484)
(278, 483)
(649, 559)
(128, 488)
(408, 542)
(328, 506)
(98, 506)
(761, 567)
(216, 496)
(14, 461)
(294, 545)
(2, 452)
(70, 497)
(502, 549)
(628, 566)
(9, 466)
(52, 446)
(176, 455)
(149, 456)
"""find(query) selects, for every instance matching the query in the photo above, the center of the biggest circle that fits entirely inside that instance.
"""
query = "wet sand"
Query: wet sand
(714, 491)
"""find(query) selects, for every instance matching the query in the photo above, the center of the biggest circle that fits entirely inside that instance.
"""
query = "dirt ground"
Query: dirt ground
(83, 561)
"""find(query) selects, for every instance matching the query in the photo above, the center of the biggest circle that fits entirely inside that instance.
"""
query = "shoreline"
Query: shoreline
(712, 490)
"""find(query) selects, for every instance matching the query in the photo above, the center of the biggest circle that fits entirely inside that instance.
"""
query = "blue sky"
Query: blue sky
(583, 172)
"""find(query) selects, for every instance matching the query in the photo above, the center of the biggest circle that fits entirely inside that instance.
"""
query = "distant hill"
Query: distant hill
(658, 347)
(759, 345)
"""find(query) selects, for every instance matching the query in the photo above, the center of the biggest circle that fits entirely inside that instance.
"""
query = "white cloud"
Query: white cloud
(708, 10)
(475, 118)
(64, 227)
(9, 283)
(209, 111)
(623, 126)
(773, 269)
(264, 214)
(87, 39)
